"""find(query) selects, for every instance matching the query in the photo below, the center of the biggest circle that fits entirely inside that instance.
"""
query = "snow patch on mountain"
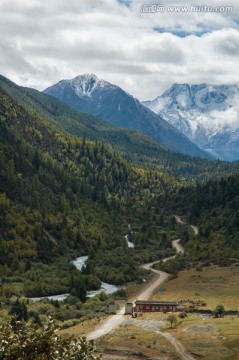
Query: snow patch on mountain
(110, 103)
(207, 114)
(85, 85)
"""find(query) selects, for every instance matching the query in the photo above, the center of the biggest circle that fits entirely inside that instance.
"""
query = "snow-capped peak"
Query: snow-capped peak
(207, 114)
(84, 85)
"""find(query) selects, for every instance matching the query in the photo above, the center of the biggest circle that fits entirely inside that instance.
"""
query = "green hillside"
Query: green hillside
(61, 197)
(213, 208)
(132, 145)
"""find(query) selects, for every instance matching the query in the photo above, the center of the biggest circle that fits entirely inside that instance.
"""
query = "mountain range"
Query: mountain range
(207, 114)
(133, 145)
(110, 103)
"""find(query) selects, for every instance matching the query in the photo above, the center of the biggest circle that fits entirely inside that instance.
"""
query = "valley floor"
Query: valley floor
(202, 336)
(149, 337)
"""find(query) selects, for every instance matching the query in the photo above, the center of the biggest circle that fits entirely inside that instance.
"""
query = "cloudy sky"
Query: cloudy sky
(44, 41)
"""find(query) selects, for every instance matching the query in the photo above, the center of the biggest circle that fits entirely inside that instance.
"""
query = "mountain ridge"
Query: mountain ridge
(206, 113)
(133, 145)
(110, 103)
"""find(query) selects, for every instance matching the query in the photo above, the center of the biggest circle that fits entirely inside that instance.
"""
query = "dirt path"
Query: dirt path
(115, 320)
(180, 221)
(195, 229)
(160, 277)
(111, 323)
(178, 247)
(177, 345)
(154, 325)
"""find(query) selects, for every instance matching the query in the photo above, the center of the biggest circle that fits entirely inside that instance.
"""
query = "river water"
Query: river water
(79, 263)
(129, 243)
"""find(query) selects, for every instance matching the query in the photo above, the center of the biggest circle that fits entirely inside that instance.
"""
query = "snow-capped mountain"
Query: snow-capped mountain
(84, 85)
(109, 102)
(207, 114)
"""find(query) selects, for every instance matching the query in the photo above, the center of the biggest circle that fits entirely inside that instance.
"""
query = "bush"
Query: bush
(219, 311)
(19, 342)
(69, 323)
(172, 320)
(182, 315)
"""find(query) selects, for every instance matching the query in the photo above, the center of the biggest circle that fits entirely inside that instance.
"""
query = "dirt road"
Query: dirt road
(115, 320)
(177, 345)
(160, 277)
(111, 323)
(195, 229)
(180, 221)
(178, 247)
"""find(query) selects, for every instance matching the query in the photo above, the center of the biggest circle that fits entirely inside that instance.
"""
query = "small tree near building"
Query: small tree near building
(172, 319)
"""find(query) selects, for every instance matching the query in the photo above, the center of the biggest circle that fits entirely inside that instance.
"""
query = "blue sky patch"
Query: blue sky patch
(180, 33)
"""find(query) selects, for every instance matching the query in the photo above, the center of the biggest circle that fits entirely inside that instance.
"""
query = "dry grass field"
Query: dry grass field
(129, 342)
(202, 336)
(208, 338)
(83, 328)
(213, 285)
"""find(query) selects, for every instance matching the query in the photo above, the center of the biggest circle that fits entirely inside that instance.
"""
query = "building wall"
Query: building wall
(128, 308)
(154, 308)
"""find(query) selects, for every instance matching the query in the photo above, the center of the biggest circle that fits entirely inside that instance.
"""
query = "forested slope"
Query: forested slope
(132, 145)
(61, 197)
(213, 207)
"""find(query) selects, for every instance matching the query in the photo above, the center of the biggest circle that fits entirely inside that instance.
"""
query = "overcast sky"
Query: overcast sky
(44, 41)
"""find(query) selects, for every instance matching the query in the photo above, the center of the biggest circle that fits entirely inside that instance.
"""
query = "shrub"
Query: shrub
(172, 320)
(20, 342)
(219, 311)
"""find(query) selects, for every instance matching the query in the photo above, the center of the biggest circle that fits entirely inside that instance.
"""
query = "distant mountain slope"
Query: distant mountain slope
(133, 145)
(97, 97)
(207, 114)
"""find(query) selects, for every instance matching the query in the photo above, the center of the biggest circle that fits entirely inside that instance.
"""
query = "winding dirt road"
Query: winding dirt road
(195, 229)
(115, 320)
(178, 247)
(180, 221)
(160, 277)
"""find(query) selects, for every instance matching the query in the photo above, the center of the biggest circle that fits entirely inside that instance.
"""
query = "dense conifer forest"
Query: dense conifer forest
(214, 208)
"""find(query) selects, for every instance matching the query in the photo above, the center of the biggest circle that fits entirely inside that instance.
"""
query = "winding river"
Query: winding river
(79, 263)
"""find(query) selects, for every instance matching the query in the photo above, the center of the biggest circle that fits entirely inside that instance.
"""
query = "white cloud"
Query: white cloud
(42, 42)
(227, 120)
